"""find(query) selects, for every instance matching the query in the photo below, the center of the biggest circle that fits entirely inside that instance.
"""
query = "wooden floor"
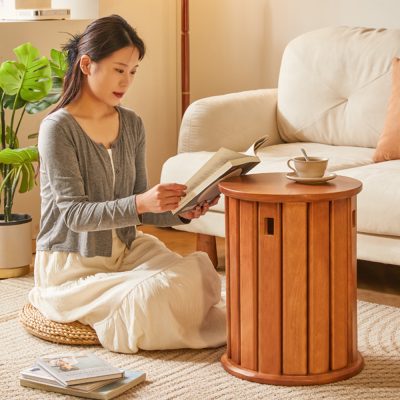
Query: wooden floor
(183, 242)
(377, 283)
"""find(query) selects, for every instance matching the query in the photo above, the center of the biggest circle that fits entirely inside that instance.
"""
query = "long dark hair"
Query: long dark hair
(100, 39)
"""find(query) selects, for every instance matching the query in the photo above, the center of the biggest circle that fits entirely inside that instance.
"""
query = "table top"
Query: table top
(275, 187)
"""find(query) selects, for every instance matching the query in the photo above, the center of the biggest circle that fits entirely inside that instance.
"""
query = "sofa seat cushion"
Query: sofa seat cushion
(378, 210)
(273, 159)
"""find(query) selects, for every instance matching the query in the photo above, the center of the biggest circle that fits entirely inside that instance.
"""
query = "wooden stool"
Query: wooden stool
(73, 333)
(291, 280)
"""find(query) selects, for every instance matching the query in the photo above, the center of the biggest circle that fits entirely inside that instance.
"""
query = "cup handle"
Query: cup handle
(288, 164)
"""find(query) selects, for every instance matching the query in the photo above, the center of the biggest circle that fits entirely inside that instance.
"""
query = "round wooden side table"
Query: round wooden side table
(291, 280)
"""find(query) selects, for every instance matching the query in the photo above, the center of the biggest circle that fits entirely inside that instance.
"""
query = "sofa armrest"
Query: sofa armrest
(233, 120)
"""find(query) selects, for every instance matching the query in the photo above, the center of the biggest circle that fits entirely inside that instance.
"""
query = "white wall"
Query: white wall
(290, 18)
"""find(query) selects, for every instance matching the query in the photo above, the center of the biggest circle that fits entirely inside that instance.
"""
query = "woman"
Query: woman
(92, 265)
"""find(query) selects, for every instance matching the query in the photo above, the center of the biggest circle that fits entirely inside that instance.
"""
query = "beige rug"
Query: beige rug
(194, 374)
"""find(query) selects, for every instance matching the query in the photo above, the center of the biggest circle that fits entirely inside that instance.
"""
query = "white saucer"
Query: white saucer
(310, 181)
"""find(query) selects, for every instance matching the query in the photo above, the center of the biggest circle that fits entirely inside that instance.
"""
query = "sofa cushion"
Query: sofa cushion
(388, 147)
(378, 203)
(273, 159)
(334, 85)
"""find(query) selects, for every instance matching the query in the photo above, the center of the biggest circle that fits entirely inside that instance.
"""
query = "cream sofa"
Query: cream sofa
(332, 96)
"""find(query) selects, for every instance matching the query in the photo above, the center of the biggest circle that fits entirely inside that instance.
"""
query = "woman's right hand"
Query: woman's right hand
(160, 198)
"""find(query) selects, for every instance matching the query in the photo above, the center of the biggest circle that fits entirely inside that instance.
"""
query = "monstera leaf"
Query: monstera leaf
(29, 77)
(59, 65)
(52, 97)
(19, 156)
(21, 168)
(58, 62)
(9, 102)
(28, 84)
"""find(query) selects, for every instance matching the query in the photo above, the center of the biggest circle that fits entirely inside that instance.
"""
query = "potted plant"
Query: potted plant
(28, 85)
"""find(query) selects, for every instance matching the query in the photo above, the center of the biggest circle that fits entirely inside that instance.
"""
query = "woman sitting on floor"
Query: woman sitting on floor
(92, 265)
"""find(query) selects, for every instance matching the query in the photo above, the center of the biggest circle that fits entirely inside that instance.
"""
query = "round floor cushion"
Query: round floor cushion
(73, 333)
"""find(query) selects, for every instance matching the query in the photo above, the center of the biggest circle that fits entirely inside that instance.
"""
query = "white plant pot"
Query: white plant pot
(15, 246)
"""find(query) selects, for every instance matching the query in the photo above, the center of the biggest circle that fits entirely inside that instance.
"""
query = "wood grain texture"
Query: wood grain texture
(292, 281)
(294, 276)
(318, 288)
(275, 187)
(248, 285)
(293, 380)
(234, 278)
(185, 55)
(228, 280)
(269, 289)
(352, 282)
(208, 244)
(339, 282)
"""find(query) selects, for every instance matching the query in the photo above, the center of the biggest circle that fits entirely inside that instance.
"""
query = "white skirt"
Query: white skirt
(145, 297)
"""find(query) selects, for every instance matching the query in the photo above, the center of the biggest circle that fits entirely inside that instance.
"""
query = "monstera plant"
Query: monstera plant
(28, 85)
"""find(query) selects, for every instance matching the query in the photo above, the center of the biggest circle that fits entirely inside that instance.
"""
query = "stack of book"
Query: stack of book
(82, 375)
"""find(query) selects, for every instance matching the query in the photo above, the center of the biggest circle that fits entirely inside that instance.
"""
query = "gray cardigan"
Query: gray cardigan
(79, 208)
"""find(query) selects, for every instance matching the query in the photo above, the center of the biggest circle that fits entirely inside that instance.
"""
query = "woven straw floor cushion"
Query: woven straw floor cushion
(73, 333)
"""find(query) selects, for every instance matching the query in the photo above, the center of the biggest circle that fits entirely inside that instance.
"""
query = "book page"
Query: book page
(262, 141)
(210, 193)
(208, 189)
(215, 162)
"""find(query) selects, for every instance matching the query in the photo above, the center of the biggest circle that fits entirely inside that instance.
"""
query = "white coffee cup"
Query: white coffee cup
(314, 167)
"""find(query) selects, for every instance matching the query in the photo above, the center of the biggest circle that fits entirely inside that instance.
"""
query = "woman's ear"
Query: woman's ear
(84, 64)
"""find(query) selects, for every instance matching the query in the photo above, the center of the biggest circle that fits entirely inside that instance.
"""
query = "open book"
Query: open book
(225, 163)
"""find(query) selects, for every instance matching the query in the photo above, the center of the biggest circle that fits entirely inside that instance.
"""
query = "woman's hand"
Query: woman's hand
(160, 198)
(200, 210)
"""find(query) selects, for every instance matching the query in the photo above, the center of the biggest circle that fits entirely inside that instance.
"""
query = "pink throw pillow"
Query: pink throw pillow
(388, 147)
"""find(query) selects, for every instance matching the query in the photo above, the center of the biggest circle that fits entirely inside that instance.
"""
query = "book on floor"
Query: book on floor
(37, 374)
(203, 185)
(107, 391)
(71, 369)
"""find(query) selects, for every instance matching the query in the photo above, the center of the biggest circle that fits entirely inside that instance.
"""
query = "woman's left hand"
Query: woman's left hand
(200, 209)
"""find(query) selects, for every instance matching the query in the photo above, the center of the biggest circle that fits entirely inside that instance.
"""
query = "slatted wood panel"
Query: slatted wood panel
(292, 281)
(269, 289)
(248, 284)
(318, 288)
(352, 282)
(228, 245)
(339, 282)
(294, 252)
(234, 279)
